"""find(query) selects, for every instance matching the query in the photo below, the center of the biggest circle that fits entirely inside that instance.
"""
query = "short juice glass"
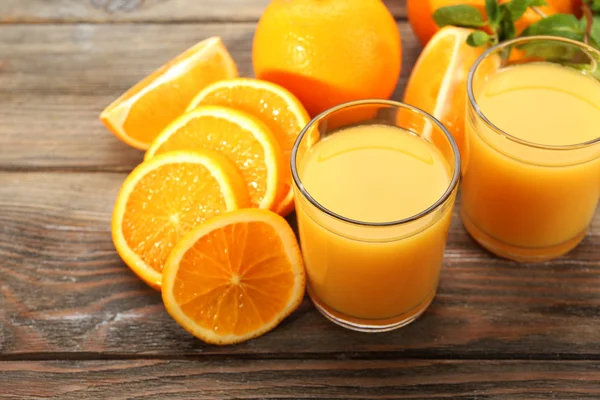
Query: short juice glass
(375, 159)
(531, 165)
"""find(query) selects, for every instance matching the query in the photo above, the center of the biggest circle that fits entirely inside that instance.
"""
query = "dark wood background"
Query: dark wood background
(76, 323)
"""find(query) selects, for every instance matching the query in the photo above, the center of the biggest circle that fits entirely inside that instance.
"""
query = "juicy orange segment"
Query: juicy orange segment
(163, 199)
(279, 109)
(243, 139)
(235, 277)
(442, 91)
(139, 115)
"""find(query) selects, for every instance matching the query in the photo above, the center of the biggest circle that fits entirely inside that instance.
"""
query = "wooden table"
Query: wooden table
(75, 323)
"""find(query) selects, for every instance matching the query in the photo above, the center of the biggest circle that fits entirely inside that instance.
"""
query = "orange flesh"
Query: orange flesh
(442, 91)
(264, 105)
(235, 279)
(224, 137)
(272, 110)
(155, 216)
(168, 92)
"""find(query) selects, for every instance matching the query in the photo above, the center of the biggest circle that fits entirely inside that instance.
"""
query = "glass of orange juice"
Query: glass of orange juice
(375, 184)
(531, 165)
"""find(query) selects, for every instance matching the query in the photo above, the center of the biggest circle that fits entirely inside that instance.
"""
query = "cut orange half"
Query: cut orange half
(139, 115)
(235, 277)
(278, 108)
(166, 197)
(243, 139)
(437, 83)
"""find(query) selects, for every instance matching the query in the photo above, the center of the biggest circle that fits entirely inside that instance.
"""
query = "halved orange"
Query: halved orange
(166, 197)
(437, 83)
(243, 139)
(235, 277)
(139, 115)
(277, 107)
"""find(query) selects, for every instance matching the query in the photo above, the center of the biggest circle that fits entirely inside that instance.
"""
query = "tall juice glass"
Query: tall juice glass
(375, 184)
(531, 165)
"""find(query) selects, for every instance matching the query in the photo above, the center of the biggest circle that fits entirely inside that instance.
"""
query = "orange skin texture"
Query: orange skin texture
(421, 19)
(327, 52)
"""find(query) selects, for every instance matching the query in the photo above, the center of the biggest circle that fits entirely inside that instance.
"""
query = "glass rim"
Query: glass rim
(376, 102)
(480, 114)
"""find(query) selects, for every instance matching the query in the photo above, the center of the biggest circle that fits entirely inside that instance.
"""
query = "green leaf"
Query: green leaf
(594, 5)
(493, 13)
(595, 32)
(552, 50)
(564, 25)
(583, 24)
(518, 7)
(478, 38)
(460, 15)
(507, 24)
(507, 29)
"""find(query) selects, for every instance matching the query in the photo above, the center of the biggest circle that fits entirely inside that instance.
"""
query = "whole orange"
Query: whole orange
(420, 14)
(576, 6)
(328, 52)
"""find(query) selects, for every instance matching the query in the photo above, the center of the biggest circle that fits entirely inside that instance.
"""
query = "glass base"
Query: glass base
(515, 253)
(370, 325)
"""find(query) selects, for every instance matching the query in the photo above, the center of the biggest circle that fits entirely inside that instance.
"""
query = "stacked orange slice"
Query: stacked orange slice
(246, 141)
(193, 219)
(278, 108)
(166, 197)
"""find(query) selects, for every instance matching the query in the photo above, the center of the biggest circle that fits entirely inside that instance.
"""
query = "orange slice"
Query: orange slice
(235, 277)
(278, 108)
(242, 138)
(437, 83)
(164, 198)
(139, 115)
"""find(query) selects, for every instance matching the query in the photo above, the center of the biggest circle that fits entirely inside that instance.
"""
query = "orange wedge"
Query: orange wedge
(242, 138)
(278, 108)
(164, 198)
(139, 115)
(235, 277)
(437, 83)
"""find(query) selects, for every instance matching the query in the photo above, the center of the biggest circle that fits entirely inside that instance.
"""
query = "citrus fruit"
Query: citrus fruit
(164, 198)
(565, 6)
(279, 109)
(420, 14)
(328, 52)
(437, 83)
(243, 139)
(235, 277)
(139, 115)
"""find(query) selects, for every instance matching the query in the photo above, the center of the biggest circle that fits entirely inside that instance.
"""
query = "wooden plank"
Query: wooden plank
(102, 11)
(300, 379)
(66, 75)
(65, 293)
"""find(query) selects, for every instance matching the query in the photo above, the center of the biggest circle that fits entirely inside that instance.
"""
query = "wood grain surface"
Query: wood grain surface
(300, 379)
(164, 11)
(65, 75)
(66, 292)
(75, 323)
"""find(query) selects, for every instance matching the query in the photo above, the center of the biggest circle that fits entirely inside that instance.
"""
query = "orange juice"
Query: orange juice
(365, 267)
(530, 188)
